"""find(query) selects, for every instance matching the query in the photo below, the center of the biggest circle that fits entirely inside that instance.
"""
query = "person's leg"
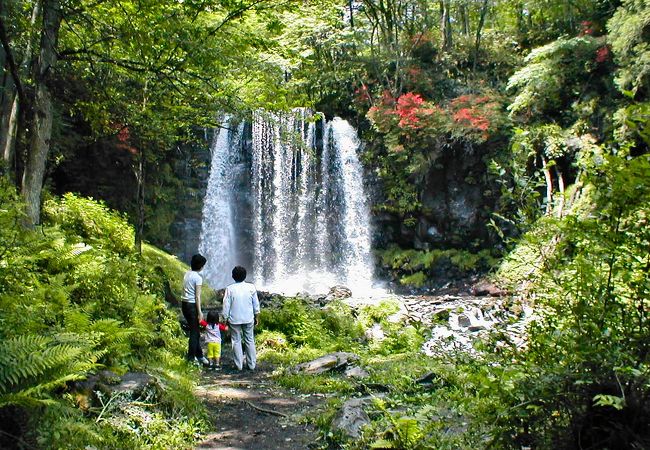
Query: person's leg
(249, 341)
(235, 337)
(211, 353)
(189, 312)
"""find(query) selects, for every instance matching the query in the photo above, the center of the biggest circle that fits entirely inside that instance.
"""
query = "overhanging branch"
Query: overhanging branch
(13, 69)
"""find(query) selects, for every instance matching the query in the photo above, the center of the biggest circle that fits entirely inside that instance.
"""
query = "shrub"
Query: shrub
(92, 221)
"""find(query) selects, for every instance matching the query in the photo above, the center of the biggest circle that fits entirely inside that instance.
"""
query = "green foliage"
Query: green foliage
(629, 40)
(581, 373)
(33, 366)
(417, 267)
(371, 314)
(302, 325)
(70, 310)
(399, 339)
(550, 74)
(92, 221)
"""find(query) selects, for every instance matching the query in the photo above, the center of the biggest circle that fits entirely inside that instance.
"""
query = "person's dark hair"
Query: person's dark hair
(213, 317)
(238, 274)
(198, 261)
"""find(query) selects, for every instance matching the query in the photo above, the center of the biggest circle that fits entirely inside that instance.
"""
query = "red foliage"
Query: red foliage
(362, 94)
(475, 113)
(124, 139)
(602, 54)
(411, 118)
(587, 28)
(408, 107)
(472, 118)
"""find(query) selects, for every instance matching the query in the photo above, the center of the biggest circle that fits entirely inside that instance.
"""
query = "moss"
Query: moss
(418, 279)
(416, 267)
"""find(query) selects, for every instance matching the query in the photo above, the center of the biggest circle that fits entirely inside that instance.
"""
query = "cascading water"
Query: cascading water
(218, 241)
(303, 221)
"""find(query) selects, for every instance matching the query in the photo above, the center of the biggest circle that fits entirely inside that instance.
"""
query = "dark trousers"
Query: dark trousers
(192, 317)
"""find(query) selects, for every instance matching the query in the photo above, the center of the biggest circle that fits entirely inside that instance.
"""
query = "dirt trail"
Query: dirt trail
(251, 412)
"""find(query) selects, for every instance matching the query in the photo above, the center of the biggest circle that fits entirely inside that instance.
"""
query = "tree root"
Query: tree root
(267, 411)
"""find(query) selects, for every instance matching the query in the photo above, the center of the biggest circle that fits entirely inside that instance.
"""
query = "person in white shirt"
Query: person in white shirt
(241, 310)
(191, 307)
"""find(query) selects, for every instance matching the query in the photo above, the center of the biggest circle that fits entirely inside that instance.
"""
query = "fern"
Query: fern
(31, 366)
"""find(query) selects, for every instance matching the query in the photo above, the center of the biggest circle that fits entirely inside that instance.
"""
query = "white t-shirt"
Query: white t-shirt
(240, 303)
(191, 280)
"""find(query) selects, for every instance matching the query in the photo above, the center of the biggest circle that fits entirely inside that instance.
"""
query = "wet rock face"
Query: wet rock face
(455, 199)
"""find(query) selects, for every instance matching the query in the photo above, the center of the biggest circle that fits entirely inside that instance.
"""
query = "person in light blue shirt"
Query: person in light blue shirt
(241, 309)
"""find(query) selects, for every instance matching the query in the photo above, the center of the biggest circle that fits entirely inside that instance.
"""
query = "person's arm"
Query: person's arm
(225, 312)
(256, 307)
(197, 297)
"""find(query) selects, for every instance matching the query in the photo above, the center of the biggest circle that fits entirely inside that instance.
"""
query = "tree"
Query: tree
(39, 145)
(180, 60)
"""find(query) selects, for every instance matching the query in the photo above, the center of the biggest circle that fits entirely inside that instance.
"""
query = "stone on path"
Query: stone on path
(351, 418)
(332, 361)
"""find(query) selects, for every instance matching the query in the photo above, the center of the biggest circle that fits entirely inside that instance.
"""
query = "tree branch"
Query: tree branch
(13, 69)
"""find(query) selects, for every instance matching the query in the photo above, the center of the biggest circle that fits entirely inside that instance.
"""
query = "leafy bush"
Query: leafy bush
(303, 325)
(92, 221)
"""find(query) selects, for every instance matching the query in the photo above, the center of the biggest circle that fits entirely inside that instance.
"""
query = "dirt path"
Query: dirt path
(251, 412)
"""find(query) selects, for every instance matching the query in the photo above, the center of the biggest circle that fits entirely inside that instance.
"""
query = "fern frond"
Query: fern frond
(32, 366)
(22, 399)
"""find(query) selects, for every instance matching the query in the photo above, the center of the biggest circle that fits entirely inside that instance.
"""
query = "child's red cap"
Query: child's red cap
(203, 323)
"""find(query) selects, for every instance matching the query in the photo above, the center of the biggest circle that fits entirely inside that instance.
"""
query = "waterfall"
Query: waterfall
(218, 241)
(300, 220)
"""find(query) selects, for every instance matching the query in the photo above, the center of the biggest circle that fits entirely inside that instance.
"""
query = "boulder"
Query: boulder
(356, 372)
(464, 321)
(428, 378)
(485, 288)
(332, 361)
(350, 419)
(132, 382)
(338, 292)
(375, 333)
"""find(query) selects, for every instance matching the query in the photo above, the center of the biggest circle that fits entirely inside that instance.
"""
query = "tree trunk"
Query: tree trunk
(549, 186)
(8, 138)
(41, 133)
(445, 25)
(9, 94)
(350, 6)
(561, 188)
(479, 29)
(464, 18)
(139, 176)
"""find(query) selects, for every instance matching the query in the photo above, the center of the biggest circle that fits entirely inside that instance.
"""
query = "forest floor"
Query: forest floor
(250, 411)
